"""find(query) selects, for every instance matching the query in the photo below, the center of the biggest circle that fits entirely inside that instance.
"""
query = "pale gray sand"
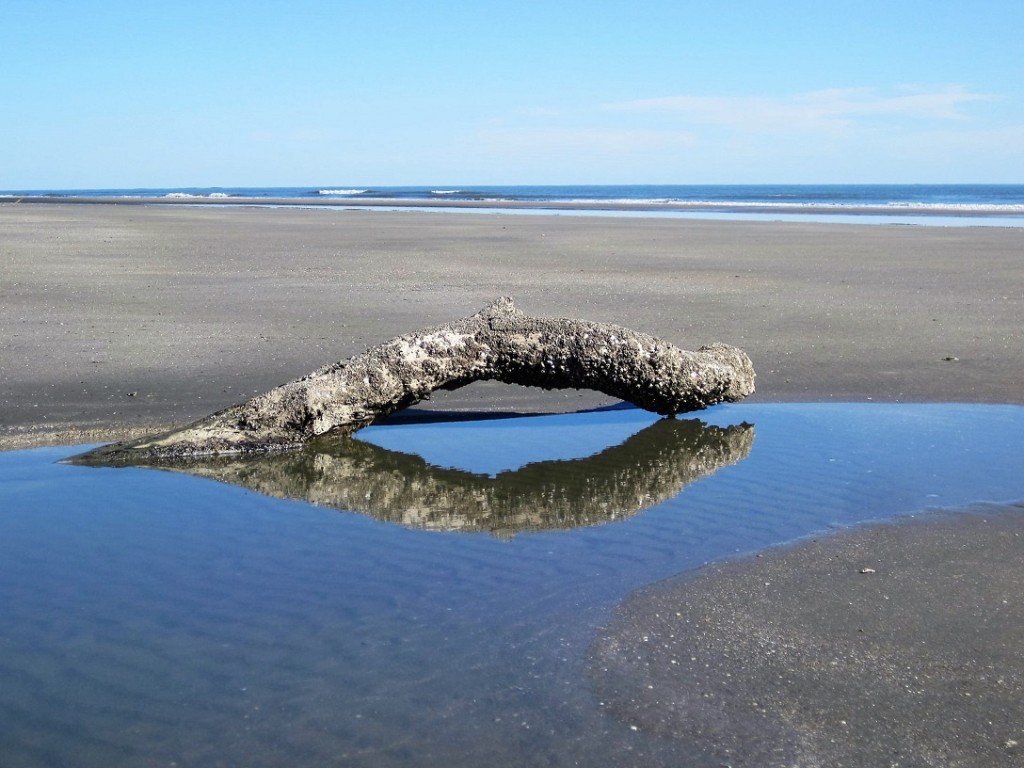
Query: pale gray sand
(114, 316)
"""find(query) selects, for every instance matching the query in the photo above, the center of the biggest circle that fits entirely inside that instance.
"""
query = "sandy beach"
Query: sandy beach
(116, 319)
(889, 644)
(119, 317)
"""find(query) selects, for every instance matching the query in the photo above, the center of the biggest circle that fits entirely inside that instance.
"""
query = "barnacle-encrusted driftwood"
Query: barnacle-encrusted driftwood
(498, 343)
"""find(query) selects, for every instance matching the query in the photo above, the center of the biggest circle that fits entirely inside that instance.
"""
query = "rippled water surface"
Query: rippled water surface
(425, 595)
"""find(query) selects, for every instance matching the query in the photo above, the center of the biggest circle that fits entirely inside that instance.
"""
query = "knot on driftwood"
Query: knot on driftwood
(498, 343)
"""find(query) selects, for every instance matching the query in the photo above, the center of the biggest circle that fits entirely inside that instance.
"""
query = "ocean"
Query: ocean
(943, 204)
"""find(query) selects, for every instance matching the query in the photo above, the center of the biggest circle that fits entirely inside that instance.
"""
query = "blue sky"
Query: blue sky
(304, 92)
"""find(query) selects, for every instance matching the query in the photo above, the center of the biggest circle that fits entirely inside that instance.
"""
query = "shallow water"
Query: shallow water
(154, 618)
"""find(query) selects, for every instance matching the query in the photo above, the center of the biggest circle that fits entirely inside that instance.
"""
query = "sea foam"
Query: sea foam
(211, 195)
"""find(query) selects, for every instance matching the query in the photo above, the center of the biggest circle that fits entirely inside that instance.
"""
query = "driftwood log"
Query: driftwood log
(498, 343)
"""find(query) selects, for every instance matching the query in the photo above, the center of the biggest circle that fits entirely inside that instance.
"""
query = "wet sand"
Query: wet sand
(889, 644)
(487, 205)
(116, 319)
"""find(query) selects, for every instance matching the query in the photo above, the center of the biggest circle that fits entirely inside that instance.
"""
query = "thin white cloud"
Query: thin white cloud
(842, 134)
(588, 139)
(834, 108)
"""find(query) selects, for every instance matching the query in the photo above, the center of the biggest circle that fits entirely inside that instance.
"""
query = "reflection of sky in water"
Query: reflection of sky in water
(924, 220)
(498, 445)
(151, 617)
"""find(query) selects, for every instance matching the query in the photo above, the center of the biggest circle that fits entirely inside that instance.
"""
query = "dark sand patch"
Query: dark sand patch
(893, 644)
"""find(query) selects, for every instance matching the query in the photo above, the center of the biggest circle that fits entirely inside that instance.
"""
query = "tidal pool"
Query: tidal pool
(425, 595)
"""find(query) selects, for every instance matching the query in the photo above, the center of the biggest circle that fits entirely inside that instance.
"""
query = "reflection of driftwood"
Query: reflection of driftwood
(342, 472)
(498, 343)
